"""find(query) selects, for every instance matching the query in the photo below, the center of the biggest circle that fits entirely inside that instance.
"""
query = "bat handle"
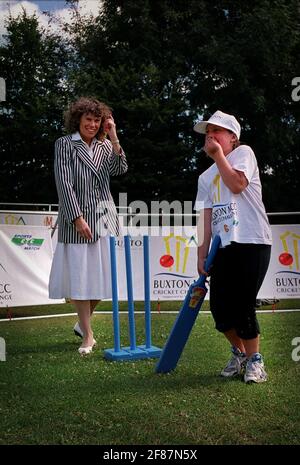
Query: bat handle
(212, 253)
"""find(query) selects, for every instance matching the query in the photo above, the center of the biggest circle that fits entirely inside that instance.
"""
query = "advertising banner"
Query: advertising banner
(25, 262)
(26, 256)
(173, 265)
(282, 280)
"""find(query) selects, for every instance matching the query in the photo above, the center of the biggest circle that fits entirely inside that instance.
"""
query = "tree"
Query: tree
(162, 65)
(33, 62)
(134, 57)
(252, 59)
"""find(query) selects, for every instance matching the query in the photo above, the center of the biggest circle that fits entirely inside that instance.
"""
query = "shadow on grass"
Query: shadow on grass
(46, 348)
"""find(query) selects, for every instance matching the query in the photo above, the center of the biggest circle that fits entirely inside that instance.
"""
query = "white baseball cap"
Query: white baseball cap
(220, 119)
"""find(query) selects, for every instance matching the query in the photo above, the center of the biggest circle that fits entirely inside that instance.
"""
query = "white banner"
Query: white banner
(173, 266)
(26, 255)
(25, 262)
(282, 280)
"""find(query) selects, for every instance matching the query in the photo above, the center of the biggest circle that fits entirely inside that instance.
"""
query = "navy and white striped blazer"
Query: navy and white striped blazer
(83, 188)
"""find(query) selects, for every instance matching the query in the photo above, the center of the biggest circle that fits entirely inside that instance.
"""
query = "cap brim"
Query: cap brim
(201, 127)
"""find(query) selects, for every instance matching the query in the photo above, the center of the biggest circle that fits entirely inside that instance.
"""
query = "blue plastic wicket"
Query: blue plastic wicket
(147, 292)
(129, 293)
(133, 352)
(114, 285)
(151, 350)
(113, 354)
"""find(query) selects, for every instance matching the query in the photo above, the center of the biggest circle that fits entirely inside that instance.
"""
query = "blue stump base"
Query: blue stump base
(112, 354)
(152, 351)
(136, 353)
(127, 354)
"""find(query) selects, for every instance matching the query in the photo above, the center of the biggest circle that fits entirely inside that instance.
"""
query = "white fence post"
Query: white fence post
(2, 350)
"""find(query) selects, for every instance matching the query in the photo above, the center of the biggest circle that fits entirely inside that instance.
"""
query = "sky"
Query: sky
(57, 7)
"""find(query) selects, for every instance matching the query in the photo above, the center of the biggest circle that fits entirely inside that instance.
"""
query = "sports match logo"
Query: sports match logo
(27, 241)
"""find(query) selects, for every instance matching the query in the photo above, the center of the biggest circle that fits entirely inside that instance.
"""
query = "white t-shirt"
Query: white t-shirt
(235, 217)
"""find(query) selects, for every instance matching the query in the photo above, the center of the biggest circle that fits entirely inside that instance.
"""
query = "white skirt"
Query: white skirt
(81, 271)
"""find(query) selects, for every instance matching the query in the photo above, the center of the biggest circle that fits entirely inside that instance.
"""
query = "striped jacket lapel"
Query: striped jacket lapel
(85, 157)
(99, 152)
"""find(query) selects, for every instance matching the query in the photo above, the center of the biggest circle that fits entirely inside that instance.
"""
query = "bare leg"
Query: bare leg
(83, 309)
(251, 346)
(235, 340)
(94, 304)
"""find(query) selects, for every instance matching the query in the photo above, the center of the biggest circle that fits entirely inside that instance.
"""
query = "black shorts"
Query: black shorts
(236, 277)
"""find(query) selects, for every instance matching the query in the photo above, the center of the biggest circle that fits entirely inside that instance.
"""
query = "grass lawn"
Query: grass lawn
(51, 395)
(107, 306)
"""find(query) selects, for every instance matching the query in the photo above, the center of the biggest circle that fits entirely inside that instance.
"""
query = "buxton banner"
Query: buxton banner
(174, 265)
(26, 255)
(173, 262)
(283, 277)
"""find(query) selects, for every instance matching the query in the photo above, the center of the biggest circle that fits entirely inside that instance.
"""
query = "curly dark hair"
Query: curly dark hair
(83, 106)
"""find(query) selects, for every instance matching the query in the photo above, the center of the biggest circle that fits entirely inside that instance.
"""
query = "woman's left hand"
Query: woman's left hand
(109, 126)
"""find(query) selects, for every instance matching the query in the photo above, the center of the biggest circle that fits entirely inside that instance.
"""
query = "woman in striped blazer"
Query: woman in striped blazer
(83, 164)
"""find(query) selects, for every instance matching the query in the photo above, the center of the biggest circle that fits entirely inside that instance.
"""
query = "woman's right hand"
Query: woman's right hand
(83, 228)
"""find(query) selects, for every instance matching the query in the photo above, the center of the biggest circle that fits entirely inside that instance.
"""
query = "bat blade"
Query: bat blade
(186, 318)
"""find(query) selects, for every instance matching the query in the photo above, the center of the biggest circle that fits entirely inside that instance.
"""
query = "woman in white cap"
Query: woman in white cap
(229, 198)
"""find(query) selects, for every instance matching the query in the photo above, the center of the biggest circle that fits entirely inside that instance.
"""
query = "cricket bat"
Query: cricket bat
(186, 317)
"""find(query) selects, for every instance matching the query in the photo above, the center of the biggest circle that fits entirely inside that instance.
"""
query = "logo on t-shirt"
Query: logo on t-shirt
(216, 189)
(225, 212)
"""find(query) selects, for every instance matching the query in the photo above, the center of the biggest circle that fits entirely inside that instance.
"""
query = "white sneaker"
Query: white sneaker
(236, 364)
(78, 332)
(255, 370)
